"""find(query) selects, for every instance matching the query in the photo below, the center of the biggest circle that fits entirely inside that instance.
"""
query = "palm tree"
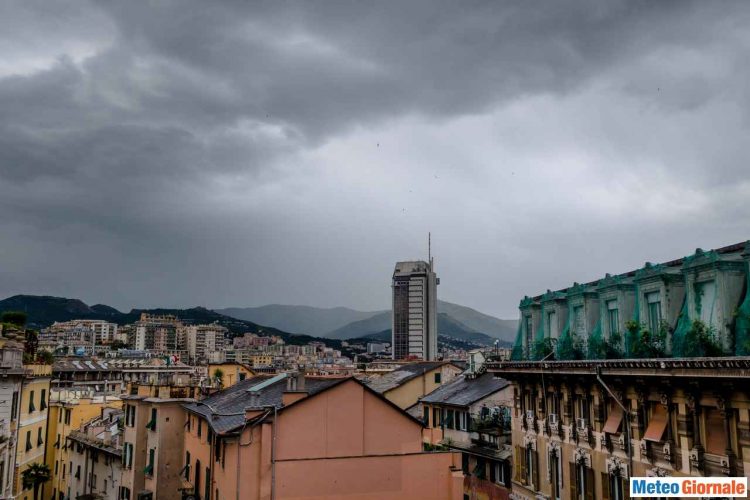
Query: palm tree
(35, 476)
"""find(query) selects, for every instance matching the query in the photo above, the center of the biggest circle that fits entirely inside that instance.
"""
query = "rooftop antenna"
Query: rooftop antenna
(429, 249)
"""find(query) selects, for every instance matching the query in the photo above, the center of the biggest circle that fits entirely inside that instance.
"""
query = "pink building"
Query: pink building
(312, 438)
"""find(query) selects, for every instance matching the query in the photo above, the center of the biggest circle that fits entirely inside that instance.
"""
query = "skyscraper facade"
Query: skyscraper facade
(414, 312)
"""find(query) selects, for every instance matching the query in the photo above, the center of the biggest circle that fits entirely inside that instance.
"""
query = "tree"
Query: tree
(219, 377)
(35, 476)
(16, 318)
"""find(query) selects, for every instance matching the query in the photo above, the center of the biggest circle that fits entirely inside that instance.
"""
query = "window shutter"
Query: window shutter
(535, 470)
(573, 481)
(590, 484)
(626, 486)
(605, 486)
(524, 466)
(517, 465)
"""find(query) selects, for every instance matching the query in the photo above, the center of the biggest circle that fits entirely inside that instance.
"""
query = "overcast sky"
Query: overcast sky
(244, 153)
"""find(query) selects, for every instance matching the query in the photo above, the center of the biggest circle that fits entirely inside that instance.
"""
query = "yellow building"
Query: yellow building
(67, 411)
(409, 382)
(32, 424)
(261, 360)
(231, 372)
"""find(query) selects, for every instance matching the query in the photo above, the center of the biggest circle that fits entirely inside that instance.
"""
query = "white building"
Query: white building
(204, 339)
(11, 377)
(414, 314)
(96, 456)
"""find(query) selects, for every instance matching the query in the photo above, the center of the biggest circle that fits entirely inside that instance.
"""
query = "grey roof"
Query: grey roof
(225, 410)
(401, 375)
(464, 391)
(82, 365)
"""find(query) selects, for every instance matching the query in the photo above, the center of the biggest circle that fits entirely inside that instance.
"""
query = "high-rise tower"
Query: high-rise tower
(414, 313)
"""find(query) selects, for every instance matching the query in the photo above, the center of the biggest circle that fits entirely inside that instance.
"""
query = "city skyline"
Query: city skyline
(238, 155)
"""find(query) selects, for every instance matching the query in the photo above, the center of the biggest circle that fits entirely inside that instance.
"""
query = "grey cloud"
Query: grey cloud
(183, 149)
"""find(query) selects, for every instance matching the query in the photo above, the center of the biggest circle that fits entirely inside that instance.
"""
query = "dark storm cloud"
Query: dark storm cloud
(224, 152)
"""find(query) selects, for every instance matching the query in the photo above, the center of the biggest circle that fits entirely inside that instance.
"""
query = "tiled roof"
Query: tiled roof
(464, 391)
(401, 375)
(225, 410)
(82, 364)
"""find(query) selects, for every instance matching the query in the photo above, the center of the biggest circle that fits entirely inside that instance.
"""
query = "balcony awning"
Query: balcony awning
(657, 424)
(612, 425)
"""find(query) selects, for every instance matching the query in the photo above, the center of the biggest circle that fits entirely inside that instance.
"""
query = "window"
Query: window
(67, 416)
(78, 472)
(555, 474)
(526, 468)
(32, 408)
(149, 470)
(43, 400)
(197, 482)
(187, 466)
(613, 317)
(465, 463)
(14, 406)
(438, 377)
(152, 423)
(552, 325)
(39, 440)
(715, 436)
(242, 377)
(130, 415)
(57, 466)
(582, 407)
(530, 467)
(653, 302)
(28, 440)
(705, 298)
(435, 417)
(613, 487)
(124, 493)
(63, 474)
(208, 484)
(127, 455)
(582, 487)
(200, 427)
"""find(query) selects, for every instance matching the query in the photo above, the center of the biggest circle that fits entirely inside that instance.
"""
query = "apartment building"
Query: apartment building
(310, 437)
(68, 410)
(582, 428)
(153, 441)
(407, 383)
(471, 415)
(163, 334)
(12, 376)
(204, 339)
(414, 311)
(96, 456)
(32, 424)
(87, 374)
(694, 306)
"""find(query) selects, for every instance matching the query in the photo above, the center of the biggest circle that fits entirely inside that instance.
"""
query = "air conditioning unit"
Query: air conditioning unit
(581, 424)
(552, 418)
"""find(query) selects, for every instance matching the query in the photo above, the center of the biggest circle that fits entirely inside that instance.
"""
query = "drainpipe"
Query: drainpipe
(626, 414)
(273, 453)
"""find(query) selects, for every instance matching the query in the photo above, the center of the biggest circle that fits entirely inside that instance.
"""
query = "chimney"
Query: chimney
(295, 389)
